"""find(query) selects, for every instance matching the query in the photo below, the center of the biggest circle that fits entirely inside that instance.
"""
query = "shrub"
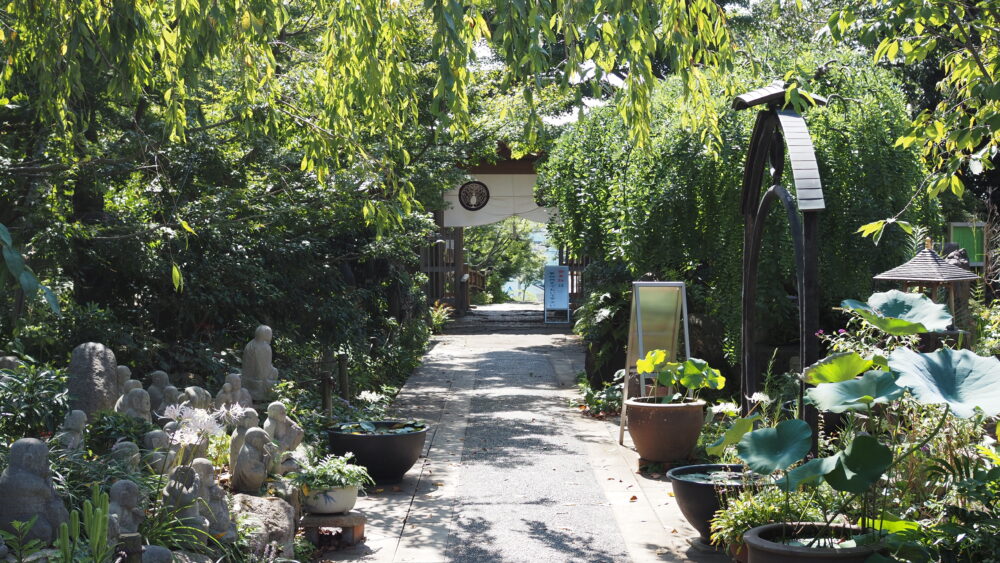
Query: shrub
(33, 402)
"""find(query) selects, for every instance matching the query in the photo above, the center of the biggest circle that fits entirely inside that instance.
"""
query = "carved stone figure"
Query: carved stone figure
(181, 494)
(197, 398)
(123, 374)
(127, 452)
(171, 397)
(285, 433)
(135, 403)
(247, 420)
(27, 491)
(215, 509)
(256, 457)
(124, 504)
(129, 385)
(233, 392)
(93, 378)
(70, 435)
(158, 457)
(158, 382)
(9, 362)
(259, 375)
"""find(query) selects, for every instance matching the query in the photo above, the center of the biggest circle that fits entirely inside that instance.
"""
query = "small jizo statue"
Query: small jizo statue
(122, 374)
(129, 385)
(196, 398)
(255, 460)
(70, 435)
(27, 492)
(181, 494)
(128, 453)
(248, 419)
(233, 393)
(214, 507)
(159, 458)
(285, 433)
(158, 382)
(135, 403)
(124, 505)
(259, 374)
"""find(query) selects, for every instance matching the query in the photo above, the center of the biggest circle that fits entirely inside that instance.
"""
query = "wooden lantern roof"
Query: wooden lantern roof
(928, 267)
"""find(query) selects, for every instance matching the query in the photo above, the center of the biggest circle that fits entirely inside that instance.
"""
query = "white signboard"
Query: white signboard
(556, 291)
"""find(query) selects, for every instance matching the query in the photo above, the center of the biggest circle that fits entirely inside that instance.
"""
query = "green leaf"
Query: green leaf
(900, 314)
(958, 378)
(733, 435)
(29, 283)
(874, 387)
(770, 449)
(860, 465)
(186, 227)
(809, 473)
(14, 260)
(5, 236)
(894, 524)
(52, 300)
(870, 229)
(837, 367)
(177, 278)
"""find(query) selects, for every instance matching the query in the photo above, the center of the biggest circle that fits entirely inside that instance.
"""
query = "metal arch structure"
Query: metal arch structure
(777, 133)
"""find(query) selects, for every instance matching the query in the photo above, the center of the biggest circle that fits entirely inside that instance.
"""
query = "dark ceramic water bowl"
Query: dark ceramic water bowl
(386, 456)
(700, 500)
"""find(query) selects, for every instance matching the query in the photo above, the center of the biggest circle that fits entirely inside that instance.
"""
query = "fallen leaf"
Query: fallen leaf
(633, 499)
(439, 484)
(379, 490)
(671, 493)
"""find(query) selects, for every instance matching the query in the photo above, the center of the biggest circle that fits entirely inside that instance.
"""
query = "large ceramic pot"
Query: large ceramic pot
(330, 501)
(699, 495)
(386, 456)
(664, 432)
(764, 545)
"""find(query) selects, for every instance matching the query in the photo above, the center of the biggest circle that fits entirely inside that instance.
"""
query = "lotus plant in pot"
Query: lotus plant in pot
(665, 428)
(331, 485)
(857, 469)
(387, 448)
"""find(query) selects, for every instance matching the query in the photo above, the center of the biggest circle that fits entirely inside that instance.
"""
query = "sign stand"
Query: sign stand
(659, 311)
(557, 294)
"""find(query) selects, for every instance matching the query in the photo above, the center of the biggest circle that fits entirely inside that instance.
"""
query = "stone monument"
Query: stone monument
(93, 378)
(259, 374)
(70, 435)
(252, 464)
(27, 492)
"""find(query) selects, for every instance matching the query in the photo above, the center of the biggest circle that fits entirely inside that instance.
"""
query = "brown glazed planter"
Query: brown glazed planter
(665, 433)
(763, 545)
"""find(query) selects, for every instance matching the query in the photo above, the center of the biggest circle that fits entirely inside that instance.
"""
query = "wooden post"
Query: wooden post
(461, 301)
(132, 544)
(326, 375)
(345, 382)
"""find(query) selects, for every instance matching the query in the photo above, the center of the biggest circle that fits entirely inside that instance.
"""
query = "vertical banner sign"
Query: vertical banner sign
(557, 293)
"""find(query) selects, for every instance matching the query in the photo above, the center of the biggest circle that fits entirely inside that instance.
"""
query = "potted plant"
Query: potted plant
(665, 428)
(331, 486)
(387, 448)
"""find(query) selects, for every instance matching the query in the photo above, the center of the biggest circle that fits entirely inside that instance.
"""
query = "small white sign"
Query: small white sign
(556, 288)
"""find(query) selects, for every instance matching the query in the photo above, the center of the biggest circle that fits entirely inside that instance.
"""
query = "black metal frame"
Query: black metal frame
(775, 131)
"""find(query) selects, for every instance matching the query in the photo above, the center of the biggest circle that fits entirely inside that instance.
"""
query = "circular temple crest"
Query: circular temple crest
(473, 195)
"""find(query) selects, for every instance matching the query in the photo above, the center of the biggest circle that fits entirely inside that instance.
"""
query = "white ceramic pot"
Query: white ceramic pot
(330, 501)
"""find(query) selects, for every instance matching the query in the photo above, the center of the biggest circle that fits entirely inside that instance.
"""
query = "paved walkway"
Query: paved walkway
(511, 473)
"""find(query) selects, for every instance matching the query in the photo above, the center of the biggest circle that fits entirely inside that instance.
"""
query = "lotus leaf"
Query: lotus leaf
(733, 435)
(837, 367)
(958, 378)
(770, 449)
(900, 314)
(874, 387)
(809, 473)
(860, 465)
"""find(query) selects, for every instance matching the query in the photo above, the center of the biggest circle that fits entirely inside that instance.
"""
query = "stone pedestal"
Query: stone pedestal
(352, 526)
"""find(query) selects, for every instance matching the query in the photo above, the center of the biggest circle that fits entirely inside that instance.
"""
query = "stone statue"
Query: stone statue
(247, 420)
(158, 457)
(158, 382)
(196, 398)
(259, 375)
(256, 457)
(124, 504)
(181, 494)
(93, 380)
(129, 385)
(27, 491)
(171, 397)
(127, 452)
(285, 433)
(135, 403)
(214, 509)
(122, 374)
(233, 393)
(70, 435)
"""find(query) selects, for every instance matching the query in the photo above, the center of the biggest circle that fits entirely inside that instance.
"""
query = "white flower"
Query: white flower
(174, 412)
(194, 425)
(759, 397)
(371, 396)
(728, 409)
